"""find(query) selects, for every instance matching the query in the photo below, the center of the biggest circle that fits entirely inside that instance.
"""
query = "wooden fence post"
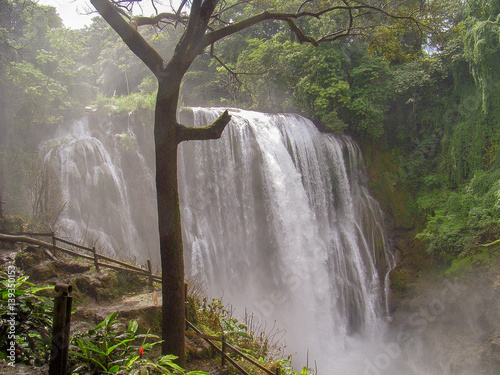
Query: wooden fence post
(60, 330)
(53, 240)
(150, 269)
(223, 353)
(186, 310)
(96, 261)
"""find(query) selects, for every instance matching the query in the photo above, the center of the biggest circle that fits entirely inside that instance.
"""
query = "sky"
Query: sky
(74, 13)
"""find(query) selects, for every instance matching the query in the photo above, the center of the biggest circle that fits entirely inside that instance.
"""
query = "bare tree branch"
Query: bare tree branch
(290, 18)
(179, 10)
(137, 21)
(212, 131)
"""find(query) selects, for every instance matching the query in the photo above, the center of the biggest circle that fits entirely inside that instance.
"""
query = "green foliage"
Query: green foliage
(369, 80)
(31, 312)
(342, 89)
(470, 263)
(248, 336)
(127, 141)
(126, 103)
(286, 368)
(112, 347)
(466, 218)
(482, 51)
(43, 82)
(483, 9)
(445, 125)
(43, 100)
(108, 347)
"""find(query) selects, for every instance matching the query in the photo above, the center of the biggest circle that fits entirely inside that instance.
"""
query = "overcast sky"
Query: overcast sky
(74, 12)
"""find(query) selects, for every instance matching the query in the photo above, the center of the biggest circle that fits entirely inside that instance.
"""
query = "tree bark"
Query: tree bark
(169, 220)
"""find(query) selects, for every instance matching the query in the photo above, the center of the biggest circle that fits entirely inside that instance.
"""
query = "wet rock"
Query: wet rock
(73, 267)
(43, 271)
(30, 257)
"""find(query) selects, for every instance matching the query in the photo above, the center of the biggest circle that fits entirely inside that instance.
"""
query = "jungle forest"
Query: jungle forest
(312, 185)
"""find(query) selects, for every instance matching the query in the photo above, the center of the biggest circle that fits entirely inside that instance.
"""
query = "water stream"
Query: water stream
(277, 219)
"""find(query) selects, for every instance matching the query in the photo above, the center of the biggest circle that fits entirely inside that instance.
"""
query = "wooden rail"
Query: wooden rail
(122, 266)
(98, 259)
(210, 340)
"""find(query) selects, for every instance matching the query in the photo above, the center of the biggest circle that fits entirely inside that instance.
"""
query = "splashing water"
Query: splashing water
(277, 218)
(109, 192)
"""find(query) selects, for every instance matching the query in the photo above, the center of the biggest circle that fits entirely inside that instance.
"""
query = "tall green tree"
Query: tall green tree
(444, 125)
(206, 22)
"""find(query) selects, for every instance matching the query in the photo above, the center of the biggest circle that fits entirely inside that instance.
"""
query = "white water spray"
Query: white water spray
(108, 191)
(277, 218)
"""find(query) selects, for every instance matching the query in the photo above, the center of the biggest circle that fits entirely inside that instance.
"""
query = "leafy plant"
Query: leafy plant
(467, 217)
(113, 348)
(108, 348)
(286, 368)
(250, 336)
(164, 365)
(29, 313)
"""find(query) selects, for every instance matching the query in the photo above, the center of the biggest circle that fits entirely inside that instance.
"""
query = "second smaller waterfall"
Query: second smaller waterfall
(108, 189)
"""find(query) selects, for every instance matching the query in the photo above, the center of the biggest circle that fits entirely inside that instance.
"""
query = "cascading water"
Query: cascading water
(277, 218)
(108, 190)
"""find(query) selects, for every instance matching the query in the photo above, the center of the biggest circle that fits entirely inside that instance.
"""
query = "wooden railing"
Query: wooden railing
(85, 252)
(224, 348)
(107, 262)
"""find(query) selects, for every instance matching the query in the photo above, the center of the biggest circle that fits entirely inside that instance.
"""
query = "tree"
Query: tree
(206, 22)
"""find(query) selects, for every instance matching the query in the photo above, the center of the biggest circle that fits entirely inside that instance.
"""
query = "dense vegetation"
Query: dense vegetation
(428, 98)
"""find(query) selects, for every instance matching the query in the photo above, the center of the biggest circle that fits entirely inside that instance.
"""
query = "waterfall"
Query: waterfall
(107, 188)
(277, 218)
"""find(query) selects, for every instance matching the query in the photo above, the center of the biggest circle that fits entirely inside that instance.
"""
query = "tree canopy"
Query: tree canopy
(419, 80)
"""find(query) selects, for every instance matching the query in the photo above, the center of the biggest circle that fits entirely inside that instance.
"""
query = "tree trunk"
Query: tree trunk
(169, 222)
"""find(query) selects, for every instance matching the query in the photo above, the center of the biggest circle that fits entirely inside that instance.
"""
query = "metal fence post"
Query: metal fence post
(60, 330)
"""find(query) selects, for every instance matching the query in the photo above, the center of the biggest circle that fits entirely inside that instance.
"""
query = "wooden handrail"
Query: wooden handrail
(232, 361)
(103, 257)
(203, 336)
(72, 243)
(249, 359)
(209, 340)
(26, 239)
(35, 234)
(94, 257)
